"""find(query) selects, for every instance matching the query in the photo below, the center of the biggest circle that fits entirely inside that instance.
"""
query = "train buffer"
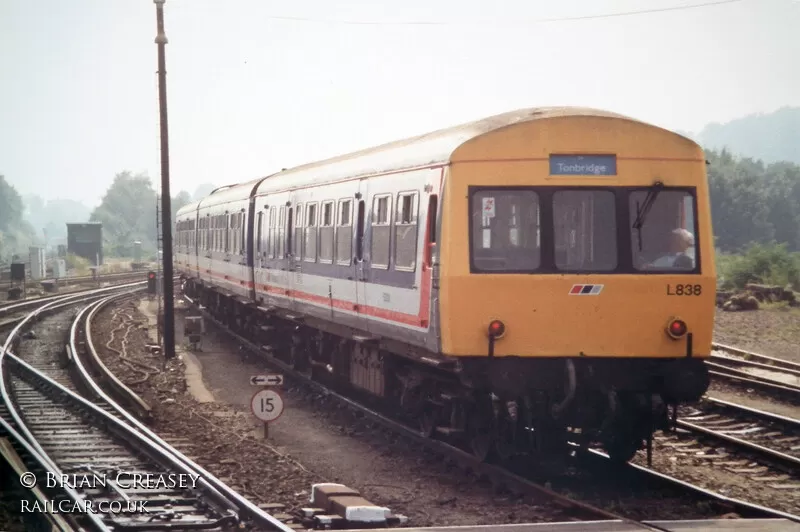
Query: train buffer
(335, 506)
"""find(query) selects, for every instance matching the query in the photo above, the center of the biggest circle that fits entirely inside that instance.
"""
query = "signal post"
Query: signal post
(267, 403)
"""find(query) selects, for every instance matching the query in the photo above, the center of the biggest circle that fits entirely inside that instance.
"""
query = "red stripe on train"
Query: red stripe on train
(421, 319)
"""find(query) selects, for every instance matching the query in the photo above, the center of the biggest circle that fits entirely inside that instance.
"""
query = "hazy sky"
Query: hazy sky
(256, 85)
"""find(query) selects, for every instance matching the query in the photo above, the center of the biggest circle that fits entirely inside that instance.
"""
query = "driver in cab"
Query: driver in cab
(680, 240)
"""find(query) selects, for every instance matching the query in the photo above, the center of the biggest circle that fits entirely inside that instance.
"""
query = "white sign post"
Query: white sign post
(267, 405)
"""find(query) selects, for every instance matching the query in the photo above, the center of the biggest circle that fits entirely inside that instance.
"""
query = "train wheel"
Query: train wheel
(428, 421)
(622, 449)
(505, 446)
(481, 430)
(481, 441)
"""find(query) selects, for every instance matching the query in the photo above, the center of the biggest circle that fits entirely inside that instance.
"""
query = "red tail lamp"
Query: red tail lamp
(152, 275)
(497, 329)
(677, 328)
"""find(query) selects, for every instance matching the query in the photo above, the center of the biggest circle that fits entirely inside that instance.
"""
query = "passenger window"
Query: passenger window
(344, 233)
(281, 232)
(505, 230)
(310, 252)
(259, 220)
(242, 225)
(297, 248)
(585, 225)
(326, 234)
(405, 231)
(381, 232)
(226, 233)
(271, 244)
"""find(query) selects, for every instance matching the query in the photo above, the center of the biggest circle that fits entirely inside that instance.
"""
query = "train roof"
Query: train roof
(189, 207)
(429, 149)
(424, 150)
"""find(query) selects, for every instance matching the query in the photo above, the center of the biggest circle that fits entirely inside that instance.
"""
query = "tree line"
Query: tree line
(755, 210)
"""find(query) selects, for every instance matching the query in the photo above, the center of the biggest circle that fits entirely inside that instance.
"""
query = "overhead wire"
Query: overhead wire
(524, 22)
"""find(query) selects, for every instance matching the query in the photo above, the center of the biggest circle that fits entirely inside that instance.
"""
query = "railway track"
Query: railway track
(12, 312)
(684, 494)
(775, 376)
(745, 449)
(69, 282)
(773, 437)
(88, 454)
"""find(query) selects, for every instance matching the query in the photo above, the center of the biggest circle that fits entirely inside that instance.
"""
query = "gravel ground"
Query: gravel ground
(703, 465)
(771, 331)
(314, 441)
(220, 438)
(752, 398)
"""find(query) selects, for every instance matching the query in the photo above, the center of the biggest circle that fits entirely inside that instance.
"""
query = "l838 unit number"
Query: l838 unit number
(684, 290)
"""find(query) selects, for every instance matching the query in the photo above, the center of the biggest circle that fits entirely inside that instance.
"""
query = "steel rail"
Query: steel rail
(6, 306)
(44, 463)
(736, 503)
(4, 352)
(26, 439)
(775, 361)
(213, 483)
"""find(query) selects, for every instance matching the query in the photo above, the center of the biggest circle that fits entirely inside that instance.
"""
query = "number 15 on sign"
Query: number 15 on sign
(267, 405)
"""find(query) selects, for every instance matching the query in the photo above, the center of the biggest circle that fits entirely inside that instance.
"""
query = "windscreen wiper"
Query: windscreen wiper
(647, 204)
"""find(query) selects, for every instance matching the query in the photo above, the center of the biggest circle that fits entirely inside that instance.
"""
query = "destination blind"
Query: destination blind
(583, 165)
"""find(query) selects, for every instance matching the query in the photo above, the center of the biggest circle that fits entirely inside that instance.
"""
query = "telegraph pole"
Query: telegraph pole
(166, 208)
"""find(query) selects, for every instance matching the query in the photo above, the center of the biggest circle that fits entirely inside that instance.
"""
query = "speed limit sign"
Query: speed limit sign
(267, 405)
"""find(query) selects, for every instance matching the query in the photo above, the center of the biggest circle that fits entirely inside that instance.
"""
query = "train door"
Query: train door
(275, 269)
(194, 250)
(256, 249)
(294, 260)
(361, 259)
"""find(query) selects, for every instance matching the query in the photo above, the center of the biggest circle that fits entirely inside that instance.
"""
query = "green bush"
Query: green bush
(78, 264)
(769, 264)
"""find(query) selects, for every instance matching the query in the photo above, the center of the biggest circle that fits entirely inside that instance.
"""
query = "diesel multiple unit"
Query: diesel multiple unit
(534, 277)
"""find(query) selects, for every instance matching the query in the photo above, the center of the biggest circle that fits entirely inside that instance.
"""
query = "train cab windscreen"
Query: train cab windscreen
(664, 239)
(584, 228)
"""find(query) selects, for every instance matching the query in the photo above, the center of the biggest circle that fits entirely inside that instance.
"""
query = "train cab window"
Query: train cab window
(381, 231)
(662, 225)
(405, 232)
(585, 234)
(310, 251)
(326, 233)
(505, 230)
(344, 233)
